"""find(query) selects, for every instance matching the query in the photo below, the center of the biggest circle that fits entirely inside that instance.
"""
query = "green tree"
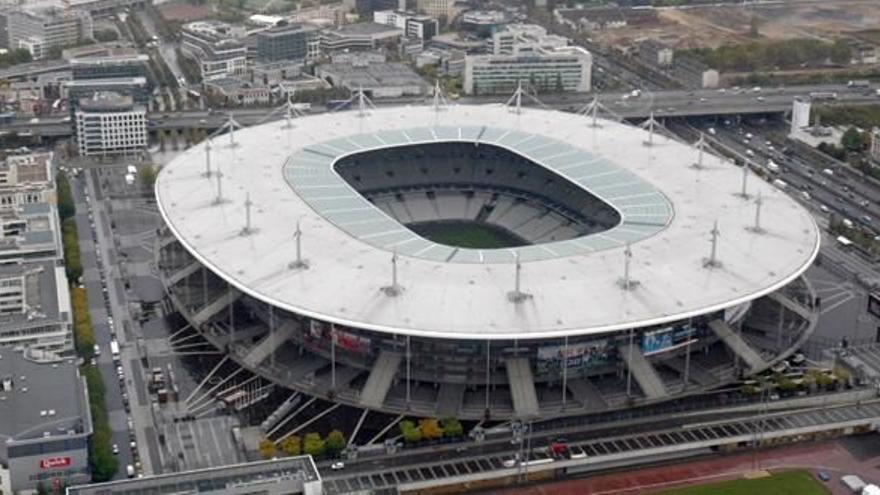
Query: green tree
(147, 176)
(854, 140)
(70, 242)
(410, 433)
(66, 208)
(452, 427)
(105, 35)
(267, 449)
(335, 442)
(292, 445)
(313, 444)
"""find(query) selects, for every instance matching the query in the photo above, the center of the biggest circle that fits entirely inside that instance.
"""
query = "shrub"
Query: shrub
(292, 445)
(313, 444)
(452, 427)
(267, 449)
(430, 429)
(335, 442)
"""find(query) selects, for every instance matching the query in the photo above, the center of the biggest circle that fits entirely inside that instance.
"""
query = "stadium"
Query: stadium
(483, 261)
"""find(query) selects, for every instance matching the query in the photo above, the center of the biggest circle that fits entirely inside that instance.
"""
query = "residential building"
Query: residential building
(216, 47)
(376, 79)
(438, 9)
(296, 475)
(413, 25)
(364, 36)
(289, 42)
(35, 310)
(26, 179)
(44, 434)
(41, 29)
(110, 123)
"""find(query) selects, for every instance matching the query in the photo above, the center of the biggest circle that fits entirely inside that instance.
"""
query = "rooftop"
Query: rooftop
(46, 297)
(365, 29)
(41, 398)
(574, 284)
(372, 75)
(216, 479)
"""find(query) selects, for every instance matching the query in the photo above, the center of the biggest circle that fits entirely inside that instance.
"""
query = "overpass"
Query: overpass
(670, 103)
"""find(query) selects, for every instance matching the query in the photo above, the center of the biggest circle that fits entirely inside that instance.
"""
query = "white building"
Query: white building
(35, 310)
(800, 114)
(26, 179)
(38, 30)
(437, 8)
(109, 123)
(413, 25)
(525, 53)
(217, 48)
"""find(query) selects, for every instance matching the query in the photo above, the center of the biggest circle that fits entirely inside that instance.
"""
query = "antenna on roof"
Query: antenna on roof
(231, 124)
(299, 263)
(517, 295)
(650, 123)
(394, 289)
(207, 159)
(247, 230)
(701, 143)
(440, 103)
(627, 283)
(712, 260)
(757, 227)
(516, 99)
(219, 176)
(745, 179)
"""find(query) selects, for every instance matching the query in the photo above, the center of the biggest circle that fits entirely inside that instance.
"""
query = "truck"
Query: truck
(114, 350)
(772, 166)
(858, 83)
(853, 483)
(781, 184)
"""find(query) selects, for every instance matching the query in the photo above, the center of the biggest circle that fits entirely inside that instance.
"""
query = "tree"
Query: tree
(292, 445)
(854, 140)
(452, 427)
(147, 176)
(313, 444)
(335, 442)
(430, 429)
(410, 433)
(105, 35)
(66, 208)
(267, 449)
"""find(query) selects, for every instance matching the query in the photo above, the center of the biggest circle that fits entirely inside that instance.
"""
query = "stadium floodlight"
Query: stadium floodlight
(394, 289)
(712, 260)
(757, 227)
(299, 263)
(517, 295)
(207, 172)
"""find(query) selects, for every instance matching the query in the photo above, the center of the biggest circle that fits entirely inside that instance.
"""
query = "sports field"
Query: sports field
(466, 235)
(784, 483)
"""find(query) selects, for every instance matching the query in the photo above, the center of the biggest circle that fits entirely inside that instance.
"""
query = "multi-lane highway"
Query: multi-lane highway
(670, 103)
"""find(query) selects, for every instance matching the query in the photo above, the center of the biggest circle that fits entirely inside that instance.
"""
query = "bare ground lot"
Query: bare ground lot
(714, 26)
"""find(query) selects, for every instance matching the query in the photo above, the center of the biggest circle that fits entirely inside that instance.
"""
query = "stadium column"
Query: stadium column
(408, 370)
(204, 287)
(629, 373)
(779, 329)
(231, 317)
(564, 370)
(332, 357)
(488, 377)
(687, 358)
(272, 335)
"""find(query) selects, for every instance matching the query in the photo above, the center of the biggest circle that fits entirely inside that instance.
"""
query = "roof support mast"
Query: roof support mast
(299, 263)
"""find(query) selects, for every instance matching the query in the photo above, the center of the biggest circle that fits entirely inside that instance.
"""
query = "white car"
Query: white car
(115, 449)
(338, 465)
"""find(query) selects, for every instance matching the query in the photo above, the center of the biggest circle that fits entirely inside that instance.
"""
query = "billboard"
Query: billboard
(580, 355)
(54, 462)
(666, 339)
(350, 342)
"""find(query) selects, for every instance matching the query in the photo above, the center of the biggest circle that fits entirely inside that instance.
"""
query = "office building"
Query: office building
(384, 79)
(110, 123)
(560, 69)
(26, 179)
(363, 36)
(135, 87)
(45, 424)
(413, 25)
(35, 306)
(800, 114)
(875, 144)
(29, 232)
(109, 67)
(483, 23)
(290, 42)
(41, 29)
(517, 39)
(365, 8)
(216, 47)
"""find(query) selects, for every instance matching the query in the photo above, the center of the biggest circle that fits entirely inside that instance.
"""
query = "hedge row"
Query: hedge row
(101, 459)
(72, 258)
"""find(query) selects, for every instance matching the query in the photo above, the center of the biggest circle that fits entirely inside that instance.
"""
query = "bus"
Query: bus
(844, 242)
(823, 95)
(114, 350)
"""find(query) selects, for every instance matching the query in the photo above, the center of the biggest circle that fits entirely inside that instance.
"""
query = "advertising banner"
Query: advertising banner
(666, 339)
(54, 462)
(350, 341)
(575, 356)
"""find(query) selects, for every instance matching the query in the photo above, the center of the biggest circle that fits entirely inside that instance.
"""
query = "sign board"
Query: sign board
(54, 462)
(577, 355)
(666, 339)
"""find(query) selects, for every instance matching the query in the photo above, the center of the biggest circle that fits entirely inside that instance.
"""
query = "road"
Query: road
(670, 103)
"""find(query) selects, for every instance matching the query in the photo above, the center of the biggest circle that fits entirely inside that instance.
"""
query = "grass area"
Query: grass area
(466, 235)
(786, 483)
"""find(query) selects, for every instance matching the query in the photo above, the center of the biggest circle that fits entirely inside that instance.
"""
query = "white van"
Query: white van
(129, 471)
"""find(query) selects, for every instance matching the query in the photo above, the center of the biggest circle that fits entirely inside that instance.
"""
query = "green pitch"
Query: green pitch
(466, 235)
(787, 483)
